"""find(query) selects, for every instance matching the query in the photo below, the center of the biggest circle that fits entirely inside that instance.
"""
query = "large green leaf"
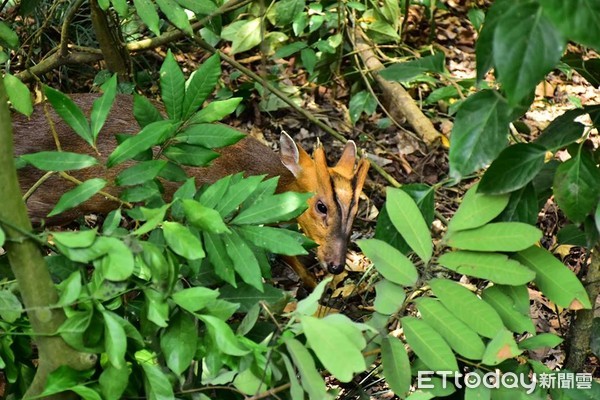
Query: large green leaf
(18, 92)
(153, 134)
(210, 135)
(337, 345)
(389, 297)
(59, 160)
(408, 220)
(244, 260)
(182, 241)
(497, 236)
(554, 279)
(195, 298)
(10, 306)
(70, 113)
(459, 336)
(76, 196)
(200, 84)
(402, 72)
(178, 342)
(172, 86)
(479, 133)
(562, 131)
(505, 306)
(389, 262)
(514, 168)
(577, 186)
(215, 111)
(500, 348)
(140, 173)
(217, 255)
(280, 207)
(274, 240)
(244, 35)
(146, 10)
(158, 386)
(223, 336)
(526, 47)
(186, 154)
(113, 381)
(522, 206)
(578, 20)
(428, 345)
(102, 106)
(115, 339)
(312, 381)
(495, 267)
(484, 47)
(477, 209)
(176, 15)
(396, 366)
(204, 218)
(460, 301)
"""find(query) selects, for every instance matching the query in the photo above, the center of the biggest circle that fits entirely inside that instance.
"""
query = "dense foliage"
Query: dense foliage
(181, 304)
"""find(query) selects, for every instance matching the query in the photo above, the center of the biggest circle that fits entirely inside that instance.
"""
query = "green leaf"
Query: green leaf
(460, 301)
(70, 289)
(519, 296)
(484, 45)
(2, 237)
(396, 366)
(113, 381)
(144, 111)
(217, 255)
(200, 84)
(459, 336)
(389, 297)
(75, 239)
(59, 160)
(522, 206)
(210, 135)
(195, 156)
(361, 102)
(562, 131)
(8, 38)
(495, 267)
(215, 111)
(288, 50)
(505, 306)
(408, 220)
(274, 240)
(477, 209)
(223, 336)
(177, 16)
(102, 106)
(194, 299)
(389, 262)
(76, 196)
(338, 346)
(244, 35)
(554, 279)
(158, 386)
(182, 241)
(153, 217)
(577, 186)
(428, 345)
(178, 342)
(64, 378)
(172, 85)
(70, 113)
(146, 10)
(479, 133)
(244, 260)
(121, 7)
(198, 7)
(280, 207)
(542, 340)
(153, 134)
(118, 263)
(406, 71)
(500, 348)
(140, 173)
(312, 381)
(310, 304)
(115, 339)
(526, 48)
(577, 19)
(157, 308)
(287, 10)
(514, 168)
(10, 306)
(296, 391)
(18, 92)
(497, 236)
(204, 218)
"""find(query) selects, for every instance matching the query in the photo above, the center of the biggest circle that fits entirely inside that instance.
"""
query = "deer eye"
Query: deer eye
(322, 208)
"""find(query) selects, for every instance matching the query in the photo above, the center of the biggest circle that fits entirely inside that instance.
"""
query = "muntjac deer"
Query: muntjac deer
(327, 221)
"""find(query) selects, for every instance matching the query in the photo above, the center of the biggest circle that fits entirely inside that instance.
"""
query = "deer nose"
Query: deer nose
(335, 269)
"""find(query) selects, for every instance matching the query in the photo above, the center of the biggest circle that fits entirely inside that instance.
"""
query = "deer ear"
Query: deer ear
(348, 158)
(291, 155)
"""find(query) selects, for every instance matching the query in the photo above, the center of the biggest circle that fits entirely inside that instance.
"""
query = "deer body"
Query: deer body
(327, 221)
